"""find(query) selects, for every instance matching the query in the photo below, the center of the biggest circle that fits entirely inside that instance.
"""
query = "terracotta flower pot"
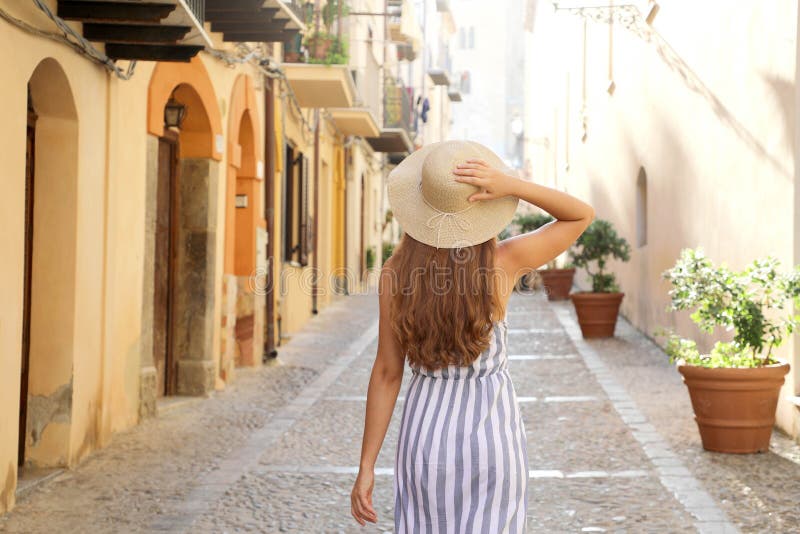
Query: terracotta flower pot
(557, 282)
(292, 57)
(734, 407)
(597, 312)
(318, 46)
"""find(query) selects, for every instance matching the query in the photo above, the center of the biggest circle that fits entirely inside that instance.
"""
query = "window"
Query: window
(471, 43)
(641, 208)
(462, 40)
(296, 218)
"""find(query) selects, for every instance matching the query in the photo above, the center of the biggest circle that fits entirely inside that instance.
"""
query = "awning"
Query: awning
(320, 86)
(355, 121)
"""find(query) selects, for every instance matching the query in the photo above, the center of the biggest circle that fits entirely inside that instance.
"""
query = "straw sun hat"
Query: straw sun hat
(435, 209)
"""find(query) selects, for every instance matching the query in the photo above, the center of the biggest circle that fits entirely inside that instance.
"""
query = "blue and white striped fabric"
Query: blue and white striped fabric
(462, 459)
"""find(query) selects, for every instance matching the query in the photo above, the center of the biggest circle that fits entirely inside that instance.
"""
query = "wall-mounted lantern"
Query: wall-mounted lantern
(174, 113)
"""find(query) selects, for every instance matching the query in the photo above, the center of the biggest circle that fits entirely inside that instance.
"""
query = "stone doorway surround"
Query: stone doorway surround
(197, 222)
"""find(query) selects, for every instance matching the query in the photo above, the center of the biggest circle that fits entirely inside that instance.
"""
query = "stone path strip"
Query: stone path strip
(672, 473)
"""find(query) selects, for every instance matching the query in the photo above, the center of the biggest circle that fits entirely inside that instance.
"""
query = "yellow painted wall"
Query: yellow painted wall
(108, 250)
(19, 55)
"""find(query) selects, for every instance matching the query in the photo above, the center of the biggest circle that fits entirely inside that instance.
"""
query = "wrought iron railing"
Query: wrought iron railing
(198, 9)
(398, 105)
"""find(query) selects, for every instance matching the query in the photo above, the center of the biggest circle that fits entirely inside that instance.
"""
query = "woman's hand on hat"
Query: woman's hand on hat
(493, 182)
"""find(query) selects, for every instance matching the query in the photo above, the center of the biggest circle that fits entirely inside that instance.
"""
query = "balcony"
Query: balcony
(404, 29)
(158, 30)
(255, 20)
(439, 76)
(397, 133)
(361, 120)
(320, 86)
(355, 121)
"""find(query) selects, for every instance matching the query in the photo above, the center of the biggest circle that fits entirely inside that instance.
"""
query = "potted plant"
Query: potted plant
(325, 46)
(598, 309)
(557, 281)
(292, 52)
(734, 387)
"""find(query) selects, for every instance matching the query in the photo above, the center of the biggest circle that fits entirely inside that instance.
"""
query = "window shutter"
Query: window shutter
(290, 187)
(304, 226)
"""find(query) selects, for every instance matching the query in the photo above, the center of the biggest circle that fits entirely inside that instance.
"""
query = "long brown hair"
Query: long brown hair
(444, 301)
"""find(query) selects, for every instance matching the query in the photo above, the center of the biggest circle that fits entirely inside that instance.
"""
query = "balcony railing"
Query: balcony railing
(398, 106)
(198, 9)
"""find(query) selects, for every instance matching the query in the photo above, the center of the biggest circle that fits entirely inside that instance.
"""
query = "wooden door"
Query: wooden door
(163, 269)
(26, 302)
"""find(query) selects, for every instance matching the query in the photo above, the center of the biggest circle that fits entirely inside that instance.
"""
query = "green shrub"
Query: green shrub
(733, 300)
(596, 246)
(370, 257)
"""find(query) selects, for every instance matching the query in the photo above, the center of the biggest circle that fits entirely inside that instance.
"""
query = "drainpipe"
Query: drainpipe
(315, 262)
(345, 157)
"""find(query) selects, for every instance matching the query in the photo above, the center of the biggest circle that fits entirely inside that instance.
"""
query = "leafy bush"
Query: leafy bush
(737, 301)
(370, 257)
(597, 245)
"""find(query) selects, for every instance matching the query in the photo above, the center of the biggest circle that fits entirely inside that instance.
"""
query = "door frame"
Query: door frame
(30, 158)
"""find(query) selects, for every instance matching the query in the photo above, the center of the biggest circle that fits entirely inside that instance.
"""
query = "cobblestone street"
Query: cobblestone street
(612, 443)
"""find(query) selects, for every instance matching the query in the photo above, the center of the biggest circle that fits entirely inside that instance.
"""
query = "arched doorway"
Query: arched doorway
(180, 255)
(48, 312)
(245, 234)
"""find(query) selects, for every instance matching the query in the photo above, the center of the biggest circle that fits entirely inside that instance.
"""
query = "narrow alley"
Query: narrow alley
(278, 450)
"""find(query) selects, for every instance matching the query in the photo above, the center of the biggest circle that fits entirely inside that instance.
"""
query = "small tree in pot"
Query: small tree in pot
(557, 281)
(598, 309)
(734, 388)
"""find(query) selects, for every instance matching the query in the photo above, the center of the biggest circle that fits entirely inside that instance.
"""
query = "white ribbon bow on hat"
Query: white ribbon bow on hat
(436, 220)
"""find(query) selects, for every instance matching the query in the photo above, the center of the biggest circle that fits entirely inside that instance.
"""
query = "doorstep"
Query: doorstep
(31, 478)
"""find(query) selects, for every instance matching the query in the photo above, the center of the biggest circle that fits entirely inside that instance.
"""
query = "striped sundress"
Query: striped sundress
(462, 461)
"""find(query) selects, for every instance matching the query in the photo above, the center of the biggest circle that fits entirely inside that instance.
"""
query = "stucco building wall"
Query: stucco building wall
(702, 113)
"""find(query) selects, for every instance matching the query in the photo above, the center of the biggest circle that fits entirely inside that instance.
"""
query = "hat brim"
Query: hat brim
(484, 219)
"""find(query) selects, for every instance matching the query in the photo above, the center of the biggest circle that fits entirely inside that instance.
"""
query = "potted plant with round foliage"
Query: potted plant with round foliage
(734, 388)
(557, 281)
(597, 309)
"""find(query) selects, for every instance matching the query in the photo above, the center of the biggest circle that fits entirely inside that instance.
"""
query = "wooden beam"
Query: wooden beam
(152, 52)
(249, 26)
(263, 15)
(113, 11)
(259, 37)
(129, 33)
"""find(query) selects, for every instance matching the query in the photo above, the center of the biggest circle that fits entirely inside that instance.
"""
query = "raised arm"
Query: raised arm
(523, 253)
(384, 386)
